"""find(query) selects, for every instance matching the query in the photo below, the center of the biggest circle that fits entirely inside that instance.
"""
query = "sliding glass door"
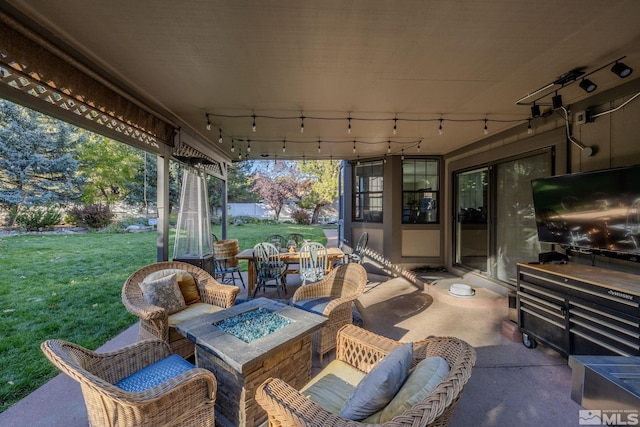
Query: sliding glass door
(472, 224)
(495, 221)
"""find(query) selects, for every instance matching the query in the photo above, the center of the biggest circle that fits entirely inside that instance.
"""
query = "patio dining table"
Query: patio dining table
(287, 257)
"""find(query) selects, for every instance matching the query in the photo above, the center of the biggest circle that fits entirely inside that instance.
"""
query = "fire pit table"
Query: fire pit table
(246, 344)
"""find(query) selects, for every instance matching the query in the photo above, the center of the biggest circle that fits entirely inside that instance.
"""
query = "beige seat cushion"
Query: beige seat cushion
(333, 385)
(190, 312)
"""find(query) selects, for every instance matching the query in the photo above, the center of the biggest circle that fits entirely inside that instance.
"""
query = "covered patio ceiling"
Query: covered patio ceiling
(414, 65)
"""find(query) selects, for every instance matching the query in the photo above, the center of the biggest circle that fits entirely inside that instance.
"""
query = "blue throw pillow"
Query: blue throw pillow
(379, 386)
(155, 374)
(314, 305)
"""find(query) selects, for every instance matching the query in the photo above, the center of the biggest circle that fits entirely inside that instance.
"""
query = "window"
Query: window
(420, 190)
(368, 188)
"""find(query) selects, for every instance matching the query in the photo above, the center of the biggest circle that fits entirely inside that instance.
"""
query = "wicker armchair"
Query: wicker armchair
(186, 400)
(155, 322)
(360, 349)
(341, 287)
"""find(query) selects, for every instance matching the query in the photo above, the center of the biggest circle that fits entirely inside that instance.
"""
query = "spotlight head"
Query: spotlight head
(587, 85)
(621, 70)
(557, 101)
(535, 111)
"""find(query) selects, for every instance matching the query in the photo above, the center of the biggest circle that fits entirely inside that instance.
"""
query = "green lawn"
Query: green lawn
(68, 287)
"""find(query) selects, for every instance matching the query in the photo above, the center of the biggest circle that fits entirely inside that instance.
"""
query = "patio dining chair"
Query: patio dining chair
(294, 238)
(314, 262)
(222, 268)
(269, 267)
(277, 240)
(141, 385)
(358, 254)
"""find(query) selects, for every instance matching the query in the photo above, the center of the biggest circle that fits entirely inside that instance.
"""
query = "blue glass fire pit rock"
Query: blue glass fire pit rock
(253, 324)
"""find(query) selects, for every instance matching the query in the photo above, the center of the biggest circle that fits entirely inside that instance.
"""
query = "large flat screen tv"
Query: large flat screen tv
(595, 212)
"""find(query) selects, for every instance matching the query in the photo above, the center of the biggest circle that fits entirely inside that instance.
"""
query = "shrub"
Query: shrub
(38, 218)
(301, 217)
(93, 216)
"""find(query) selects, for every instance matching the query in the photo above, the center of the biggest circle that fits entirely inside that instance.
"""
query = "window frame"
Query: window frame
(411, 213)
(365, 199)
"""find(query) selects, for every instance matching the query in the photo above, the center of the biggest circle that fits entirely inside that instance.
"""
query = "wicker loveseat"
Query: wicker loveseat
(361, 349)
(334, 295)
(156, 322)
(184, 399)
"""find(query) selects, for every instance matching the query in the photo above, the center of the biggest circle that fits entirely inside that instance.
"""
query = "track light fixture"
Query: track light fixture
(587, 85)
(621, 70)
(535, 110)
(568, 78)
(556, 101)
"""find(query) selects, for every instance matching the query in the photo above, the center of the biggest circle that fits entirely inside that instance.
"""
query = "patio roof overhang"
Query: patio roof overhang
(162, 66)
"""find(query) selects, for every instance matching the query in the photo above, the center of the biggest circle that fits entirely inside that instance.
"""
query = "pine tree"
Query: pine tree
(36, 162)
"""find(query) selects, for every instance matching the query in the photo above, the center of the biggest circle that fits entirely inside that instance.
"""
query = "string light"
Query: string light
(385, 159)
(419, 145)
(402, 157)
(248, 145)
(220, 137)
(253, 128)
(486, 129)
(440, 127)
(354, 145)
(233, 147)
(208, 122)
(301, 124)
(284, 146)
(529, 130)
(319, 146)
(358, 161)
(389, 147)
(349, 126)
(395, 125)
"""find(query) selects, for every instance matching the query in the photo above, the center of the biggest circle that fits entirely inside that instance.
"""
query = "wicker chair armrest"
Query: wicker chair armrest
(136, 305)
(321, 288)
(216, 293)
(288, 407)
(362, 349)
(338, 303)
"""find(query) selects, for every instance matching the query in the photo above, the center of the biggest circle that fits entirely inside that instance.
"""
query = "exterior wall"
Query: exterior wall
(615, 138)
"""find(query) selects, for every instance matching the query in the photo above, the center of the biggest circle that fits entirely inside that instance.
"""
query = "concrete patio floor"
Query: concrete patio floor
(510, 384)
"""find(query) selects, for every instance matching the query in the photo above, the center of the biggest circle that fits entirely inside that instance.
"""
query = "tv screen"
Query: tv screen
(597, 212)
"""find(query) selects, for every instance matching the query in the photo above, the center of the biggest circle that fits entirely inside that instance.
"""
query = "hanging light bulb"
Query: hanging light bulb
(319, 146)
(389, 147)
(304, 160)
(248, 145)
(529, 130)
(349, 126)
(385, 159)
(253, 128)
(220, 135)
(420, 142)
(395, 125)
(486, 129)
(402, 157)
(301, 124)
(354, 145)
(358, 161)
(233, 147)
(208, 122)
(440, 127)
(284, 146)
